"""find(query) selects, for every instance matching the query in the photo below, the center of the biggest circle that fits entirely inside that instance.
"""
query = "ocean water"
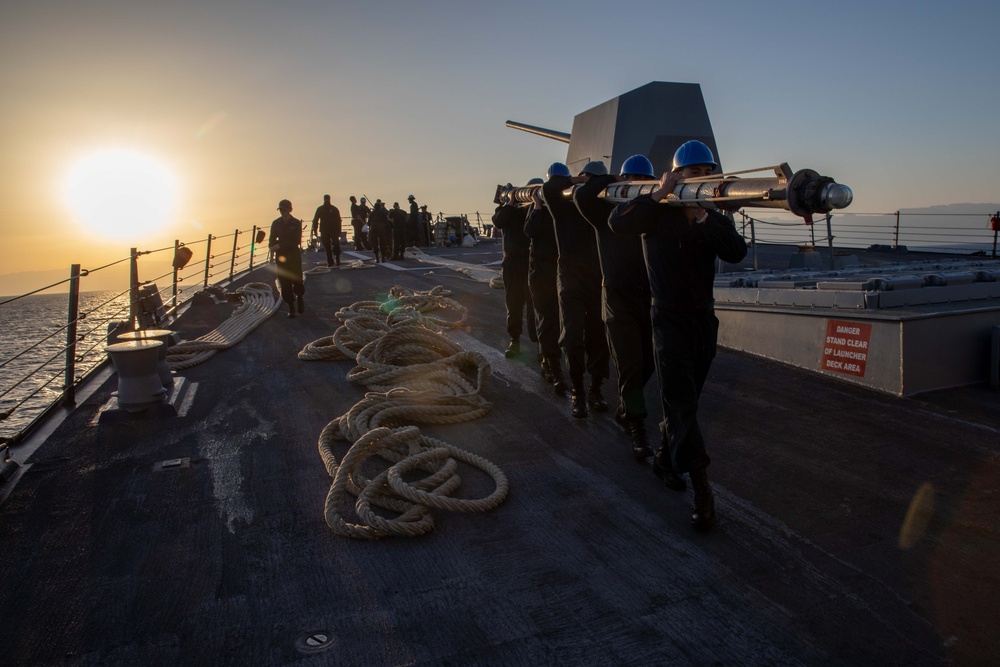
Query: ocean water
(32, 349)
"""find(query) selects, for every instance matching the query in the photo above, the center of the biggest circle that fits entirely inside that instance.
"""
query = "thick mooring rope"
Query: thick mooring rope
(259, 303)
(419, 376)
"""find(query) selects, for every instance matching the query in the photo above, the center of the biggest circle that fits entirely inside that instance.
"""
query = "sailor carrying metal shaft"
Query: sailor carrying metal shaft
(657, 244)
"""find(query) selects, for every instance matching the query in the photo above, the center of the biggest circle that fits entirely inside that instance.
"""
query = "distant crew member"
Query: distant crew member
(413, 222)
(366, 242)
(426, 226)
(358, 221)
(509, 218)
(397, 218)
(626, 297)
(543, 271)
(681, 246)
(286, 239)
(328, 222)
(379, 233)
(582, 338)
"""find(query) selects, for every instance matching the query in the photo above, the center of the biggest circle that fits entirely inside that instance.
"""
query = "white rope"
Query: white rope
(419, 376)
(259, 303)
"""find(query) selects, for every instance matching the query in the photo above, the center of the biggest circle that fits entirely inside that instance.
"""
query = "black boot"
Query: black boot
(291, 311)
(513, 348)
(596, 399)
(665, 471)
(621, 418)
(640, 446)
(559, 383)
(579, 397)
(546, 370)
(703, 515)
(301, 304)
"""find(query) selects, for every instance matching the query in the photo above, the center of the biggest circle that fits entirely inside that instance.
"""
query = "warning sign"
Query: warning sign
(845, 349)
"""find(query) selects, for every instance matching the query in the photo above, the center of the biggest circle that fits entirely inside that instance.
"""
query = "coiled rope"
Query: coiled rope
(418, 376)
(259, 303)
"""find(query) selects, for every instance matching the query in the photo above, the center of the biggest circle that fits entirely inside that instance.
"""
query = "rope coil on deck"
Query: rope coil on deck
(418, 376)
(259, 303)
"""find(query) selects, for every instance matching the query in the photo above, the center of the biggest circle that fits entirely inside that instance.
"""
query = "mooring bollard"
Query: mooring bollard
(139, 383)
(165, 336)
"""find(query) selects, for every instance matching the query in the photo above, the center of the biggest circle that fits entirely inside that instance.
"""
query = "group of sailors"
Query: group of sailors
(593, 282)
(386, 232)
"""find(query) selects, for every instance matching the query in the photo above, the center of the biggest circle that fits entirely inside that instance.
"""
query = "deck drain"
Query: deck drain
(314, 642)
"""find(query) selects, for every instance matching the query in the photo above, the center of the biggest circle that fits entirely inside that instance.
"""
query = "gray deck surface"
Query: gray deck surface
(590, 561)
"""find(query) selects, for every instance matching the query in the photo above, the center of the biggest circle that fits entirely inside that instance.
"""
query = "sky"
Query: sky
(246, 103)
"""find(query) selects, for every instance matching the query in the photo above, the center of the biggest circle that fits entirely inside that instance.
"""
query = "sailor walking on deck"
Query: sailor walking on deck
(413, 222)
(328, 221)
(379, 233)
(509, 218)
(681, 246)
(286, 239)
(543, 271)
(626, 297)
(582, 335)
(397, 219)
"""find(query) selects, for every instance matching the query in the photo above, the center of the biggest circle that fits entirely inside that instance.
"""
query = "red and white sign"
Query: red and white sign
(845, 349)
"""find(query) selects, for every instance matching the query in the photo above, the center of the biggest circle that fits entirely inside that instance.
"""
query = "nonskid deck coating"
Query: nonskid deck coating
(589, 561)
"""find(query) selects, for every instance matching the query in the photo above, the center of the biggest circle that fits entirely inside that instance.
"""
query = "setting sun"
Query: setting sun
(120, 193)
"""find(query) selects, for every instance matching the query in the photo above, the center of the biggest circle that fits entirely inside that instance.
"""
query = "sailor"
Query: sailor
(425, 226)
(543, 270)
(379, 234)
(327, 219)
(397, 219)
(509, 219)
(413, 222)
(626, 298)
(582, 335)
(359, 218)
(681, 246)
(286, 237)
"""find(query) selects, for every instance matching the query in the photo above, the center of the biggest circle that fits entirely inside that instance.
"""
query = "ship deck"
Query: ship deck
(854, 527)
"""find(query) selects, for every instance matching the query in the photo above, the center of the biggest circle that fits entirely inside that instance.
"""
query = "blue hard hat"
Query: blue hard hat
(638, 165)
(557, 169)
(693, 152)
(594, 168)
(535, 181)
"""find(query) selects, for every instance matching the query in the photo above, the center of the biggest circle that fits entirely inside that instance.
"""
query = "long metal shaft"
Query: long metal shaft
(803, 192)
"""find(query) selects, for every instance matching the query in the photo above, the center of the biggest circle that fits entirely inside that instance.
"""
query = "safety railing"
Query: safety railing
(891, 231)
(44, 358)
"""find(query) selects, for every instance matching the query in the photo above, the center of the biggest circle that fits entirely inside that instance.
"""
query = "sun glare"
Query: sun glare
(120, 194)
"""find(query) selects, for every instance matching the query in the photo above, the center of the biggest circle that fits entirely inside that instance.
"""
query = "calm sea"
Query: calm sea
(32, 349)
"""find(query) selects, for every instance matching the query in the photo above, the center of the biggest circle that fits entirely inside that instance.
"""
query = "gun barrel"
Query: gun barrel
(540, 131)
(804, 192)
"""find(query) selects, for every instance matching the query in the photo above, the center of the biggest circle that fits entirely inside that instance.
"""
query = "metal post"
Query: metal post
(133, 288)
(895, 238)
(253, 244)
(232, 262)
(753, 237)
(829, 238)
(177, 245)
(208, 259)
(995, 231)
(69, 384)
